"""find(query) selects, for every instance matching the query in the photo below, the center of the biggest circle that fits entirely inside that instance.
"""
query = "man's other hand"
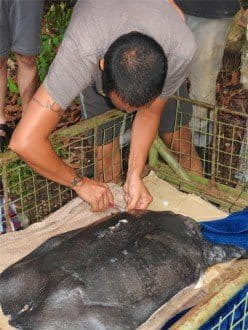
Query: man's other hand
(96, 193)
(136, 194)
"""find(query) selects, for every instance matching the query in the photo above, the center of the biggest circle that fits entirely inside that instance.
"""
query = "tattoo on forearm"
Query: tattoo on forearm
(49, 106)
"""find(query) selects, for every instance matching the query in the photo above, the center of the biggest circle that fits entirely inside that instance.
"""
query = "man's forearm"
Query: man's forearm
(144, 130)
(31, 139)
(42, 158)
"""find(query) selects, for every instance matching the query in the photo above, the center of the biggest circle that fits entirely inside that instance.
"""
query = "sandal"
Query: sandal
(4, 139)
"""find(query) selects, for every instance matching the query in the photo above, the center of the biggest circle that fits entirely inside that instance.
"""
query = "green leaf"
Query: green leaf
(12, 85)
(56, 41)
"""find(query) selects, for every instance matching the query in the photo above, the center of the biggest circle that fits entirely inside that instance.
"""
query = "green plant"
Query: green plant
(53, 28)
(18, 172)
(12, 86)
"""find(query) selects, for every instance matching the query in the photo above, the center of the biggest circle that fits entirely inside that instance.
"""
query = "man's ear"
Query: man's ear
(101, 64)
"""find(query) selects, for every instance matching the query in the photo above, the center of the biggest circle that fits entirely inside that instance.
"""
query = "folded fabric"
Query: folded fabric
(231, 230)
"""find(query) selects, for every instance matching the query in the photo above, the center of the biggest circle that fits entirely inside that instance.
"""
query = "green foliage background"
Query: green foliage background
(54, 25)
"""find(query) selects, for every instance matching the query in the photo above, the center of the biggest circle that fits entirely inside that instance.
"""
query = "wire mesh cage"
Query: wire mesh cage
(224, 148)
(234, 315)
(82, 147)
(225, 307)
(223, 156)
(98, 148)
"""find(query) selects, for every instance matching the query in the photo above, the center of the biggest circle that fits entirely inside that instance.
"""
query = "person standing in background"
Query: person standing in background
(209, 21)
(20, 24)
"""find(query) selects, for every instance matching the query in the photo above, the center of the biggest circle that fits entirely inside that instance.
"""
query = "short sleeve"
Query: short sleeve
(178, 70)
(68, 74)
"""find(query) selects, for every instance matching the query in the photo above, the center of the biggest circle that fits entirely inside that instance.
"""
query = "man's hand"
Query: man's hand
(136, 194)
(97, 194)
(144, 130)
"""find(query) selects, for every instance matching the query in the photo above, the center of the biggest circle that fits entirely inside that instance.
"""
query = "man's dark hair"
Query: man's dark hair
(135, 68)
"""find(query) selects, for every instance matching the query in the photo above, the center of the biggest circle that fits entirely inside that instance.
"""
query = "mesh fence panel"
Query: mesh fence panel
(96, 152)
(98, 148)
(224, 156)
(236, 318)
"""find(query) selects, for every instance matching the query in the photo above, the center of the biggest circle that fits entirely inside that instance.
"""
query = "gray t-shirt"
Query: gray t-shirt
(96, 24)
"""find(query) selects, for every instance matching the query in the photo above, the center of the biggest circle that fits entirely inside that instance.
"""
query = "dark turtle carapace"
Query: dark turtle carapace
(111, 275)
